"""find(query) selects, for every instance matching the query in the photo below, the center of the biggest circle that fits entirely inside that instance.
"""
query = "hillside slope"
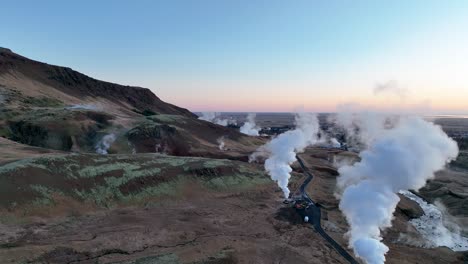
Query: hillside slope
(37, 79)
(57, 108)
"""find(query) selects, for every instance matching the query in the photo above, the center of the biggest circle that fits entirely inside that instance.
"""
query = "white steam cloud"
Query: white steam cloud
(363, 128)
(221, 144)
(249, 127)
(401, 154)
(215, 118)
(335, 143)
(104, 144)
(84, 107)
(281, 151)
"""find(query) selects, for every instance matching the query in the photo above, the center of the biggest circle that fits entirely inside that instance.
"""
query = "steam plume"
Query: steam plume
(400, 156)
(363, 128)
(391, 87)
(281, 151)
(221, 145)
(104, 144)
(207, 116)
(335, 143)
(249, 127)
(83, 106)
(216, 119)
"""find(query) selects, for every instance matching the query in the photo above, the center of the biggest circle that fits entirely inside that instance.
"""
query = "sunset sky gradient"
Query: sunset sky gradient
(211, 55)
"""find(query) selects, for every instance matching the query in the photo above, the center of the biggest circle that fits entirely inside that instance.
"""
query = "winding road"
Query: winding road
(314, 214)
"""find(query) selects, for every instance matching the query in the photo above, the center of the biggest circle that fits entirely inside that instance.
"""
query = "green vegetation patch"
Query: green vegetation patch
(236, 181)
(129, 169)
(21, 164)
(46, 195)
(170, 160)
(100, 195)
(107, 181)
(213, 163)
(171, 188)
(108, 193)
(44, 191)
(93, 171)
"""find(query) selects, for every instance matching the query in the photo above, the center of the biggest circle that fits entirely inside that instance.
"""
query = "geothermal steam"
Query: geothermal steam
(335, 143)
(391, 87)
(104, 144)
(281, 151)
(83, 106)
(221, 144)
(249, 127)
(401, 155)
(363, 128)
(216, 119)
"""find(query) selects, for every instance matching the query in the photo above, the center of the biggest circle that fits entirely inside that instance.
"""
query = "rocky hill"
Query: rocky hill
(58, 108)
(42, 83)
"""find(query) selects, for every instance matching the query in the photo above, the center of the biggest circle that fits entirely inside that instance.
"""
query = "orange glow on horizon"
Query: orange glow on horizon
(424, 107)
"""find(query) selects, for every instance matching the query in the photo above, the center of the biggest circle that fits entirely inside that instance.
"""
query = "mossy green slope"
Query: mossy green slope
(112, 179)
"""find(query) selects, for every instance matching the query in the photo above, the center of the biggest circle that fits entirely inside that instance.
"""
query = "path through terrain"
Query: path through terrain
(314, 214)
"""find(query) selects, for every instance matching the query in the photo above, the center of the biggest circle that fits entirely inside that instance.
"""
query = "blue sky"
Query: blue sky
(256, 55)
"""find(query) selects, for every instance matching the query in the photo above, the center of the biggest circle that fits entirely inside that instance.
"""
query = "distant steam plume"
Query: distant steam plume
(391, 87)
(221, 144)
(216, 119)
(281, 151)
(104, 144)
(84, 107)
(207, 116)
(249, 127)
(335, 143)
(363, 128)
(401, 154)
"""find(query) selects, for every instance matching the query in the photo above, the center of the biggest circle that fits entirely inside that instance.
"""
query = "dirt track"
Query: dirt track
(313, 212)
